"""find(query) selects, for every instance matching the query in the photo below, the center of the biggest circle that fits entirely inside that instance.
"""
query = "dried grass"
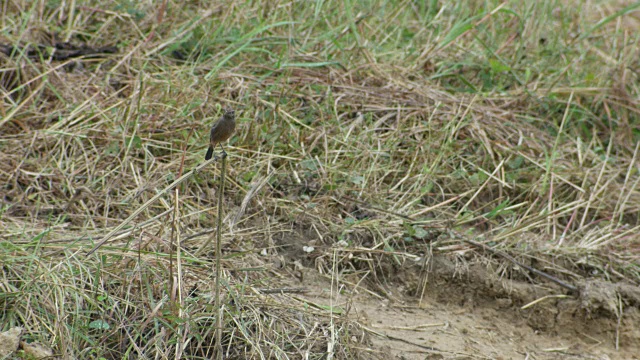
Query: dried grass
(367, 134)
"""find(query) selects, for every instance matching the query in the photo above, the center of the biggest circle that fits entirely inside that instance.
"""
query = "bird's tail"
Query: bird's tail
(209, 153)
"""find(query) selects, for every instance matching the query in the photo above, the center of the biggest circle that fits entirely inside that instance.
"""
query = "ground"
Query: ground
(480, 316)
(406, 179)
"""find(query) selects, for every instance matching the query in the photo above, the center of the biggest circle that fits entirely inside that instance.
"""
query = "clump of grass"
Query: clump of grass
(373, 127)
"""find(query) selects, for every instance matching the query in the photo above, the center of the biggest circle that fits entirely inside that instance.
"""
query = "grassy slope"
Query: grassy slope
(374, 123)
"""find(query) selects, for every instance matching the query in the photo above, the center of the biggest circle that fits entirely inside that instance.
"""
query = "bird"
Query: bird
(221, 131)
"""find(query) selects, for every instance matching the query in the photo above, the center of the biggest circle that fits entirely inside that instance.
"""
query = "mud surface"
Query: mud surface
(468, 312)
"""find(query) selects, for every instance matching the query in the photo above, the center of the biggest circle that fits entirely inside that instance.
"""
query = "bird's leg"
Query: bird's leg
(224, 153)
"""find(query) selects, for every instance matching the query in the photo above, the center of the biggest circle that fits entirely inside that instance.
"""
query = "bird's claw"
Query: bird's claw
(220, 156)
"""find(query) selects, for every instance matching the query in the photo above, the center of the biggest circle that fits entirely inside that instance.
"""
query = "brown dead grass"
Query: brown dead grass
(363, 141)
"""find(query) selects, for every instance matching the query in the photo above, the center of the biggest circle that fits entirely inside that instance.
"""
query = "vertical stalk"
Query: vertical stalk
(223, 171)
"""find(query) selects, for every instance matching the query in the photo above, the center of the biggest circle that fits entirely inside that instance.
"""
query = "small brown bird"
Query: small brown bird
(221, 131)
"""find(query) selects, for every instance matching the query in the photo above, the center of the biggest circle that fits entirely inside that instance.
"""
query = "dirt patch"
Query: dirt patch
(467, 311)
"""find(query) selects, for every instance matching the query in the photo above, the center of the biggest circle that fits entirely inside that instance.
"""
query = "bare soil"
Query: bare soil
(467, 311)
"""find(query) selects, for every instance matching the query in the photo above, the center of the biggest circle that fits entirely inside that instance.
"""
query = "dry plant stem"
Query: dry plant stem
(284, 291)
(175, 238)
(429, 348)
(171, 246)
(535, 271)
(223, 171)
(175, 282)
(178, 181)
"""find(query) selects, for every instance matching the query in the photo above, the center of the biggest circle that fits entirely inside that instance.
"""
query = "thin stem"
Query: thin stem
(223, 171)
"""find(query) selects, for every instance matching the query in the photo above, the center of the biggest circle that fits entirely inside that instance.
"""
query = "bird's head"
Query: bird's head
(229, 112)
